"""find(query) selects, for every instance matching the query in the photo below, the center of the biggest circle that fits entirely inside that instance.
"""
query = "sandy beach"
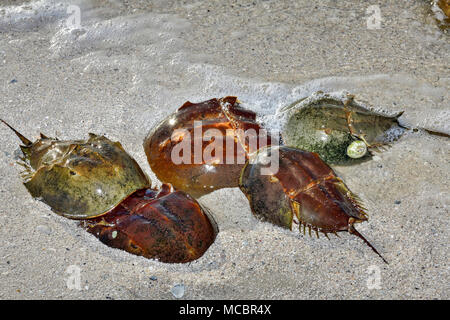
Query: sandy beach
(120, 67)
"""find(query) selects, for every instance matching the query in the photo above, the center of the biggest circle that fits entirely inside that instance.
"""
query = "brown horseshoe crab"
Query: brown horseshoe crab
(97, 182)
(203, 146)
(304, 190)
(166, 225)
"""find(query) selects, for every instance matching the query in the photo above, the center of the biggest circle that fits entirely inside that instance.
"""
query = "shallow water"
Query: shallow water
(126, 66)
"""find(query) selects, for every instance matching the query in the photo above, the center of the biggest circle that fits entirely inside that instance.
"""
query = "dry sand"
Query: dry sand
(128, 65)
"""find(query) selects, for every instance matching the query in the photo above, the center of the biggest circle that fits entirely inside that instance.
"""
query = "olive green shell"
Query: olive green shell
(81, 179)
(328, 125)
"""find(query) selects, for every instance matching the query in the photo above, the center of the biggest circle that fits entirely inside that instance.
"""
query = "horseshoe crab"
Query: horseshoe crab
(166, 225)
(79, 179)
(203, 146)
(328, 125)
(97, 182)
(304, 191)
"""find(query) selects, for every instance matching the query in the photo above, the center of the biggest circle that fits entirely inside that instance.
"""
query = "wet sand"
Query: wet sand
(128, 65)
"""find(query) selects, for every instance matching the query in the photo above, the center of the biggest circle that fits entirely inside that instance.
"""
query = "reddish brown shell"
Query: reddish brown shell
(304, 190)
(200, 157)
(166, 225)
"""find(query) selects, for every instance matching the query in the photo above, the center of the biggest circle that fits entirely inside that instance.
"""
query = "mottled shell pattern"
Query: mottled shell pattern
(330, 124)
(165, 224)
(79, 179)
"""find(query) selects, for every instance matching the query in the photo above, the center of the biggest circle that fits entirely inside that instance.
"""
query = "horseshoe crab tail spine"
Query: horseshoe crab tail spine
(24, 140)
(352, 230)
(437, 133)
(432, 132)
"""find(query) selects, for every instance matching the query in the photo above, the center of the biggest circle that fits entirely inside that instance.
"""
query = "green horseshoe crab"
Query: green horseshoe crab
(339, 129)
(79, 179)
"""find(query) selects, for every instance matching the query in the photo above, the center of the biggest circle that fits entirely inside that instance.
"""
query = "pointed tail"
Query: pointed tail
(24, 140)
(352, 230)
